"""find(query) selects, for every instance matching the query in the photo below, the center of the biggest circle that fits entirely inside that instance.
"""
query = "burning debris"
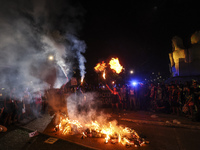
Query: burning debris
(111, 132)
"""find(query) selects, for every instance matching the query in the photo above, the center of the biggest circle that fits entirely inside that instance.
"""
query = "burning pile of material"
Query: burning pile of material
(111, 132)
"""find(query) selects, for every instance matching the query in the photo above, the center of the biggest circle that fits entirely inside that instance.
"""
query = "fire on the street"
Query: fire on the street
(111, 132)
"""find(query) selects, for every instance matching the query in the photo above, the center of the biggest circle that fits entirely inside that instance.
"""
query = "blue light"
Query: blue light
(134, 83)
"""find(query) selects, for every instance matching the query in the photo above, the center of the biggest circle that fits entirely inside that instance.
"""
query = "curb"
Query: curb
(162, 123)
(26, 128)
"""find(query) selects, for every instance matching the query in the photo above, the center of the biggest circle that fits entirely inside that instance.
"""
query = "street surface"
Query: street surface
(160, 136)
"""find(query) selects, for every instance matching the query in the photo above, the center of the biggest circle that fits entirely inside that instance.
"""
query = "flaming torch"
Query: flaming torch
(104, 74)
(115, 65)
(100, 67)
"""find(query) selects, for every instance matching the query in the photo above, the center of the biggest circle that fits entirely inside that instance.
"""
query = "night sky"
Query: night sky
(139, 33)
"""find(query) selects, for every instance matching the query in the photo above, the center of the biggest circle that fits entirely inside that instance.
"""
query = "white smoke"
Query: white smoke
(79, 47)
(84, 108)
(30, 31)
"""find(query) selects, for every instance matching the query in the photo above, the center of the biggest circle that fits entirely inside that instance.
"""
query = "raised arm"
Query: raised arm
(109, 88)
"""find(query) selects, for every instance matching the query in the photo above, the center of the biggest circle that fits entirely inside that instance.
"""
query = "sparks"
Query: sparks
(82, 78)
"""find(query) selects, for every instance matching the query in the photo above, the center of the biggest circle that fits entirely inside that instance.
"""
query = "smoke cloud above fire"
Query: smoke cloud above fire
(82, 107)
(31, 30)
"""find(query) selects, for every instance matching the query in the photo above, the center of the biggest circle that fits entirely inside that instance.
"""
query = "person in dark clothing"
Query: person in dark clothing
(132, 98)
(14, 98)
(19, 107)
(116, 99)
(146, 97)
(196, 93)
(123, 97)
(8, 109)
(175, 99)
(1, 112)
(189, 101)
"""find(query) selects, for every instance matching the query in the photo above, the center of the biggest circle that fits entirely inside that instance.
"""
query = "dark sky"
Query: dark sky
(139, 33)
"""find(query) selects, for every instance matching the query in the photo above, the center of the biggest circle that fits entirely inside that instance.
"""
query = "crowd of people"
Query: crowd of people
(174, 98)
(16, 106)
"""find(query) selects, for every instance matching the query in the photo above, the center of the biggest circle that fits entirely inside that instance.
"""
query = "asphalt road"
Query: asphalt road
(18, 139)
(167, 138)
(160, 137)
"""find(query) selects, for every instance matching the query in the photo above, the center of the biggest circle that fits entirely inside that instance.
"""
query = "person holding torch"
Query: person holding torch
(116, 99)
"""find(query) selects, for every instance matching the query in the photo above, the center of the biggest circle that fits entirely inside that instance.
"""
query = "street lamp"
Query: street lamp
(51, 57)
(131, 71)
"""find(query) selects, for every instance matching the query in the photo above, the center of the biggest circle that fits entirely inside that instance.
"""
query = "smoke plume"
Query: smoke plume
(31, 30)
(83, 107)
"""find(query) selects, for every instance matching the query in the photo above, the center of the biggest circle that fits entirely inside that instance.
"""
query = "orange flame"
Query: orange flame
(100, 67)
(104, 74)
(110, 130)
(82, 78)
(115, 65)
(65, 125)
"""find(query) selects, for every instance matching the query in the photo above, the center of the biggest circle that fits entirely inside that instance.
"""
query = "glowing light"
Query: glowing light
(115, 65)
(104, 74)
(82, 78)
(51, 57)
(131, 72)
(134, 83)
